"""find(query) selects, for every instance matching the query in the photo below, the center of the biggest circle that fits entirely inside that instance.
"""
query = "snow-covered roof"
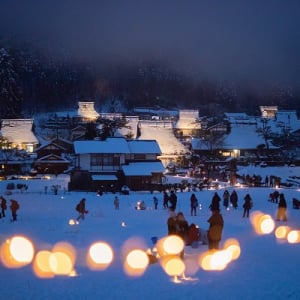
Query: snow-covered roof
(240, 137)
(110, 145)
(165, 138)
(188, 119)
(144, 146)
(143, 168)
(243, 137)
(87, 110)
(131, 127)
(18, 131)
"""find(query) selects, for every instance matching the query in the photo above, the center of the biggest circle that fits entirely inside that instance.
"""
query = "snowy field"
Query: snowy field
(267, 267)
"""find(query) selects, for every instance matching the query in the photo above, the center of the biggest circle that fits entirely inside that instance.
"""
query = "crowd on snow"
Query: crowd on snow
(177, 224)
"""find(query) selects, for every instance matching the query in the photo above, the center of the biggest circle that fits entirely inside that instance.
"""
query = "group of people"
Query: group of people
(170, 201)
(192, 234)
(14, 206)
(227, 199)
(178, 225)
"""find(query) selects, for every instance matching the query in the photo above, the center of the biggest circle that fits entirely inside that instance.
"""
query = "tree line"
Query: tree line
(33, 82)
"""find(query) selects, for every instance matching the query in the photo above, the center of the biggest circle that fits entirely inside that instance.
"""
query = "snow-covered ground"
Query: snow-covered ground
(267, 267)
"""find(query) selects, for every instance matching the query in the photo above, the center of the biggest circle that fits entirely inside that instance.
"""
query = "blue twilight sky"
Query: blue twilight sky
(254, 40)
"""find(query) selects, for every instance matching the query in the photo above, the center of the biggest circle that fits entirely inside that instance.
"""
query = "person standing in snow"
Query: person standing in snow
(194, 204)
(226, 196)
(172, 223)
(14, 206)
(116, 203)
(281, 211)
(234, 199)
(3, 207)
(81, 209)
(247, 205)
(215, 202)
(215, 230)
(182, 226)
(155, 202)
(173, 200)
(166, 200)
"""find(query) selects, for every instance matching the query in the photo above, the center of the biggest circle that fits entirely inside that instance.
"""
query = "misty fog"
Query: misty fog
(239, 40)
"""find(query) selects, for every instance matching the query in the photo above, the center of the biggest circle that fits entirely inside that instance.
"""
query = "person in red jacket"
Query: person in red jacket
(14, 206)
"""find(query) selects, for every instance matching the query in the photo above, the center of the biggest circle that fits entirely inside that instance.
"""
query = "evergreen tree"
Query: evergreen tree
(10, 91)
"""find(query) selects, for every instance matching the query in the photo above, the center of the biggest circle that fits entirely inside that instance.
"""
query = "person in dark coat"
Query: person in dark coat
(234, 199)
(226, 196)
(215, 202)
(155, 202)
(81, 209)
(166, 200)
(173, 201)
(14, 206)
(281, 210)
(214, 234)
(276, 196)
(3, 206)
(194, 205)
(182, 226)
(172, 223)
(247, 205)
(116, 203)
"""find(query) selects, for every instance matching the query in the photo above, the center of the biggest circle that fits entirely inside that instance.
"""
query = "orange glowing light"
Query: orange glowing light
(293, 236)
(262, 223)
(41, 266)
(100, 256)
(17, 252)
(21, 249)
(281, 232)
(234, 247)
(62, 258)
(136, 262)
(60, 263)
(137, 259)
(173, 244)
(173, 265)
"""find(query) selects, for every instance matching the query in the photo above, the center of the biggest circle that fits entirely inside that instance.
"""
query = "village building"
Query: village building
(268, 112)
(188, 123)
(86, 111)
(52, 158)
(19, 134)
(109, 164)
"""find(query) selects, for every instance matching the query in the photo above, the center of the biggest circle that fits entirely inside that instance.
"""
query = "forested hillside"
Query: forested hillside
(32, 82)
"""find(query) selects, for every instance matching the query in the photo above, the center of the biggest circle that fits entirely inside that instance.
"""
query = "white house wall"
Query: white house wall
(84, 161)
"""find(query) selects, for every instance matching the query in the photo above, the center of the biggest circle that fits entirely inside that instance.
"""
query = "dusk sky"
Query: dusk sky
(215, 39)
